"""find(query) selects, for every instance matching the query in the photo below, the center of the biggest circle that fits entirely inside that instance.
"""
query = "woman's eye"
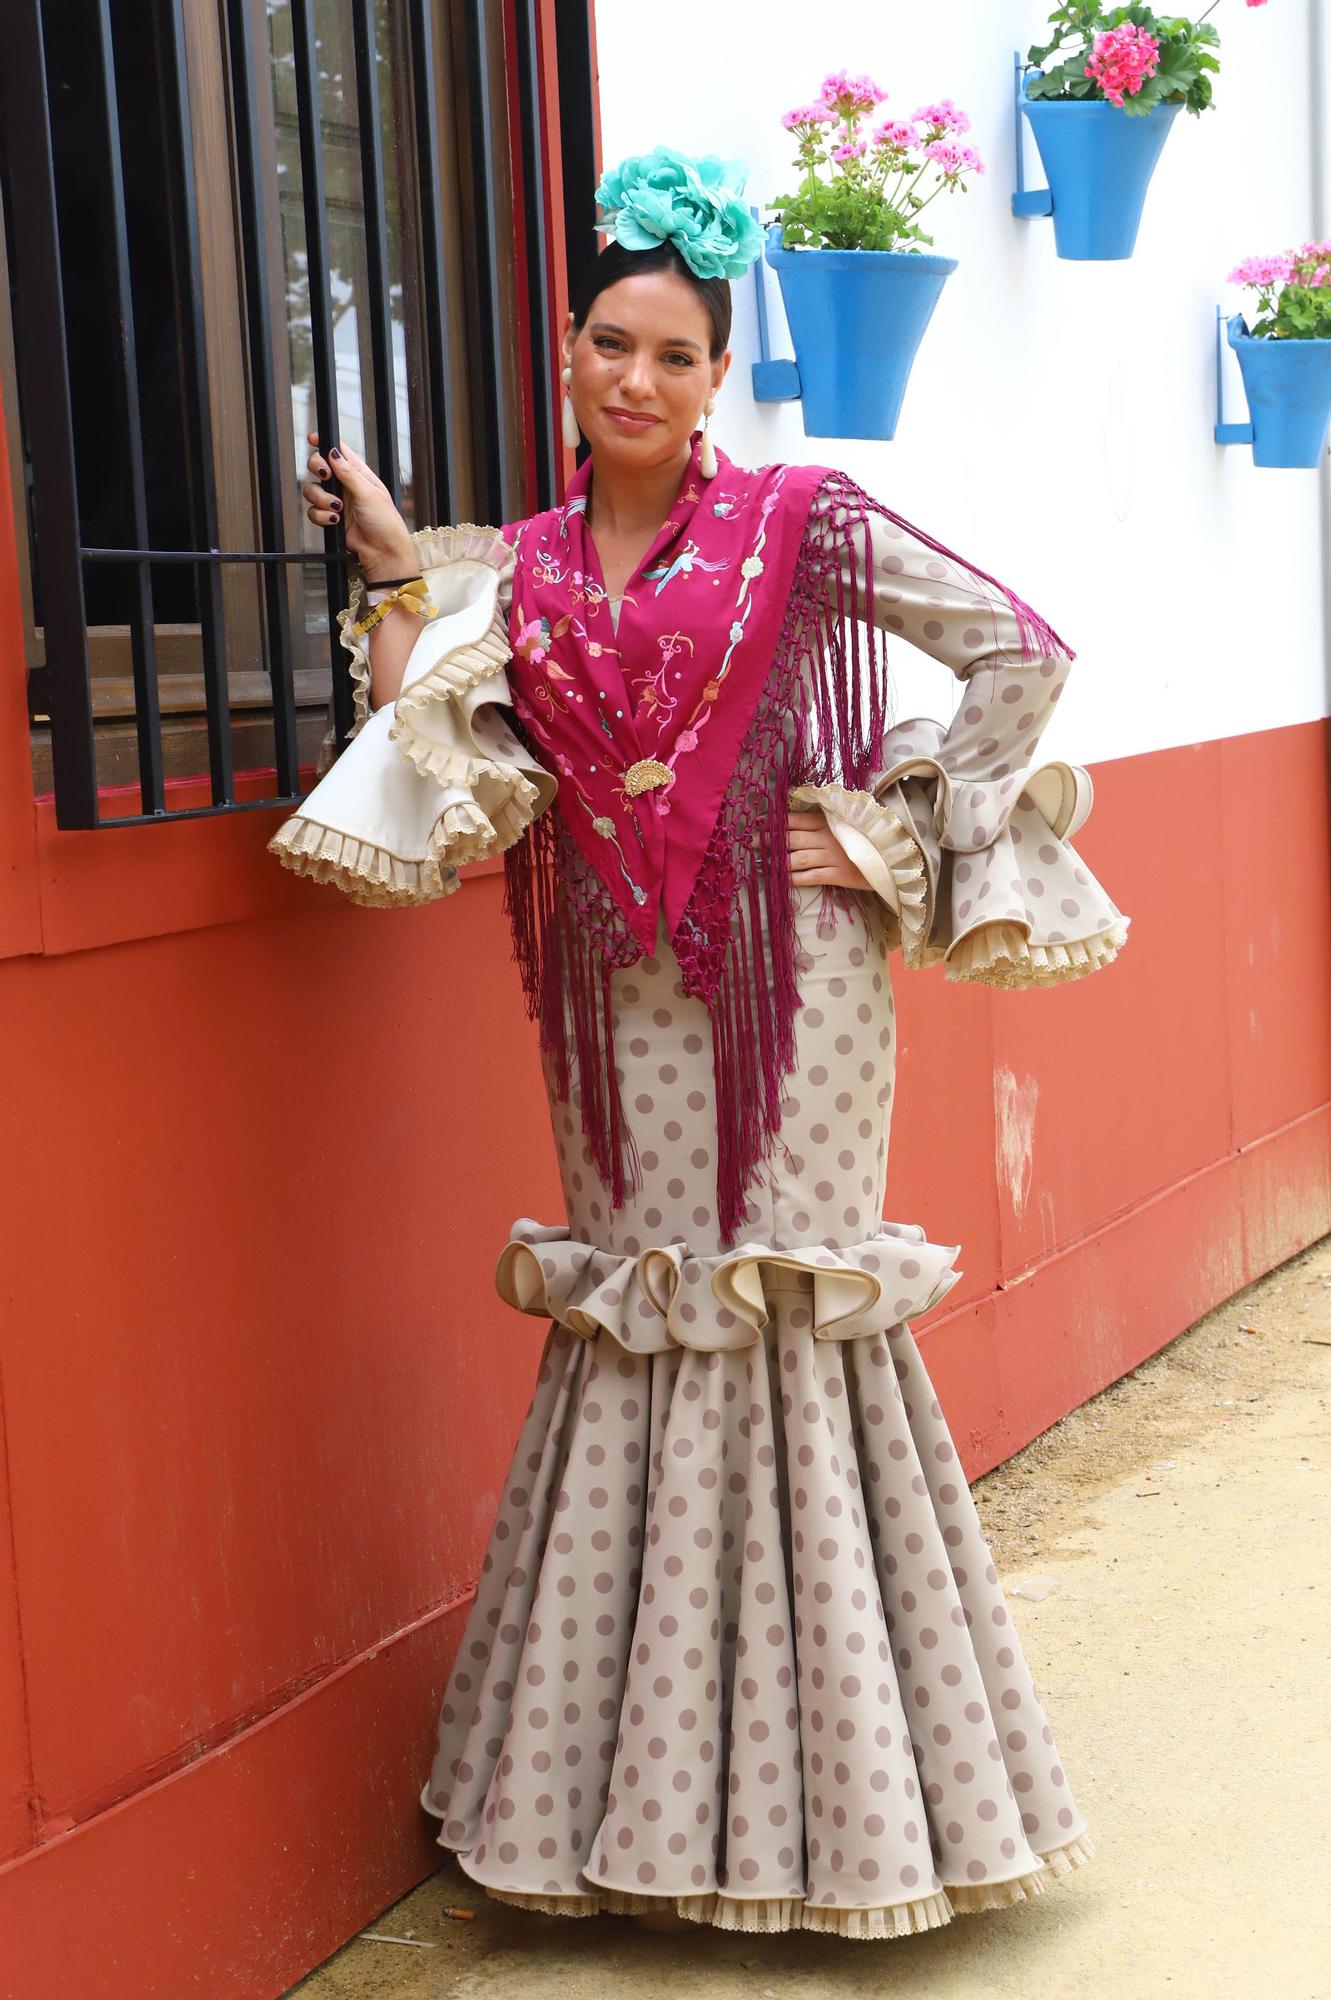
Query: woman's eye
(685, 359)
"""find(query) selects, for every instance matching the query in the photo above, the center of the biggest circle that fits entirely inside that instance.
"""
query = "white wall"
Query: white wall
(1057, 428)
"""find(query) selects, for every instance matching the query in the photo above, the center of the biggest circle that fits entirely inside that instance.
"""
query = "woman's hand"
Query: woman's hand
(816, 856)
(377, 535)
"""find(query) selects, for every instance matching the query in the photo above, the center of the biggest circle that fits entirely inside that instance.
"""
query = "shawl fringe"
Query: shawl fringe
(569, 937)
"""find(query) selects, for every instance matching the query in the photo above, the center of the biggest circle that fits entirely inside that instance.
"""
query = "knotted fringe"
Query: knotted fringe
(829, 642)
(845, 513)
(736, 944)
(820, 719)
(824, 707)
(568, 939)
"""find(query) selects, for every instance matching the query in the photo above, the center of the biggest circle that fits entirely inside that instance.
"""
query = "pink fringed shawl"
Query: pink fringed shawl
(745, 662)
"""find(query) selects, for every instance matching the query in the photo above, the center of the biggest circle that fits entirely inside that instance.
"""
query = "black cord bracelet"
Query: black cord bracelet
(391, 582)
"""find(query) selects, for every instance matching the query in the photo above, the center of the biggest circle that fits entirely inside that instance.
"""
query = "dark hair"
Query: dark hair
(615, 262)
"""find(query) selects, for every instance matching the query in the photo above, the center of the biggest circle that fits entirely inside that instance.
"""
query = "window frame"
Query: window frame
(533, 54)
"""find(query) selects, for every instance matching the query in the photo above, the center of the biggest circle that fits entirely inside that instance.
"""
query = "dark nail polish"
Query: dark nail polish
(335, 453)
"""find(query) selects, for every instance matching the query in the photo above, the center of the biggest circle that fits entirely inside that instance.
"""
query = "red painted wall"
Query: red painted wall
(262, 1150)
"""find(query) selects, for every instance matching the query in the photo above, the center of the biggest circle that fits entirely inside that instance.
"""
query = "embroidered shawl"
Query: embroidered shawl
(745, 662)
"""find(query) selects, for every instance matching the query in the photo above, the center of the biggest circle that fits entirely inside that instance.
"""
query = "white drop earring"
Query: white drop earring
(572, 435)
(707, 450)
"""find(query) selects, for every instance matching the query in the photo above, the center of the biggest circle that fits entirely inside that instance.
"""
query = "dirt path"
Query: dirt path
(1164, 1548)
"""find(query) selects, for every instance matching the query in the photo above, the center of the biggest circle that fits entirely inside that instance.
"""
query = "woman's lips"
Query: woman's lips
(627, 420)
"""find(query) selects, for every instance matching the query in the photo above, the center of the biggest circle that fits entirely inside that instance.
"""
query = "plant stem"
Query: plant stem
(944, 182)
(915, 176)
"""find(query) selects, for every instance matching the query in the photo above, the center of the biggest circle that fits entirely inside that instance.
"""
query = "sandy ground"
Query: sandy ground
(1164, 1550)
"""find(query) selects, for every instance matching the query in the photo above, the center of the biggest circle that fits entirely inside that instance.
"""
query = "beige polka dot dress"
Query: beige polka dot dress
(738, 1647)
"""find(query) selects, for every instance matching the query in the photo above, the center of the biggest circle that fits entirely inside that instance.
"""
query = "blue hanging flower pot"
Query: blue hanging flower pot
(856, 319)
(1288, 387)
(1098, 162)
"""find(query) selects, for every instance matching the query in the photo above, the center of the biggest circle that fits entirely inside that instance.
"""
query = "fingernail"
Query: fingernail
(335, 453)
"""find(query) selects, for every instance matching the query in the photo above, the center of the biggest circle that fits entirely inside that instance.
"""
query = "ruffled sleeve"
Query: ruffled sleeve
(969, 839)
(436, 778)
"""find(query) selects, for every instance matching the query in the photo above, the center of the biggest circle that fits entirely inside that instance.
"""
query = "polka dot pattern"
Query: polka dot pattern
(737, 1636)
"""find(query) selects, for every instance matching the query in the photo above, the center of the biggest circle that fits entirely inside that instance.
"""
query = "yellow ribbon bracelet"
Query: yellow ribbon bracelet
(412, 596)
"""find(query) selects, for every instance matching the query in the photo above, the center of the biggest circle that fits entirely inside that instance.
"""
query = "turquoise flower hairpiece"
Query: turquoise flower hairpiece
(667, 197)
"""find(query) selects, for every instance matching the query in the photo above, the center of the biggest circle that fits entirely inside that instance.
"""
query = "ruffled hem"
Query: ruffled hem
(891, 857)
(734, 1639)
(1001, 954)
(668, 1296)
(1008, 901)
(438, 779)
(368, 874)
(793, 1913)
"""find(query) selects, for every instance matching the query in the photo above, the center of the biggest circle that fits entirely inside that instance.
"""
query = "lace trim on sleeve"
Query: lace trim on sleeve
(884, 850)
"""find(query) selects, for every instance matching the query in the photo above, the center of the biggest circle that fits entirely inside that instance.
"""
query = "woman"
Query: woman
(738, 1652)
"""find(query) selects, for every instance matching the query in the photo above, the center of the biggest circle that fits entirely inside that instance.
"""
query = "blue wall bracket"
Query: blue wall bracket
(1225, 433)
(773, 381)
(1026, 201)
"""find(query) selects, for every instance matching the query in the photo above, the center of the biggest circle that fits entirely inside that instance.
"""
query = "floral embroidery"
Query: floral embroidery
(586, 590)
(687, 739)
(607, 829)
(646, 699)
(532, 640)
(655, 700)
(547, 569)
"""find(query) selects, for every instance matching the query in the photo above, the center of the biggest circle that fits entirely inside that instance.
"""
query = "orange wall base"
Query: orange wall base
(258, 1394)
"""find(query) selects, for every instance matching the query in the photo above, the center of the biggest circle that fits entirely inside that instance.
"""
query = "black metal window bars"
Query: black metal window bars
(490, 30)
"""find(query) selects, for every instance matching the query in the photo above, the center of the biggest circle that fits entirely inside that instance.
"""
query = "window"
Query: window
(230, 222)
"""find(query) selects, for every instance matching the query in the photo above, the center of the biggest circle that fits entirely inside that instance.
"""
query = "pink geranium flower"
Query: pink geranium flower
(952, 159)
(848, 95)
(807, 116)
(850, 149)
(1263, 271)
(1287, 285)
(896, 135)
(1123, 58)
(943, 116)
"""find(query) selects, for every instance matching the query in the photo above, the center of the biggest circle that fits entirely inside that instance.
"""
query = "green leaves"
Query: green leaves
(1302, 313)
(1183, 73)
(838, 215)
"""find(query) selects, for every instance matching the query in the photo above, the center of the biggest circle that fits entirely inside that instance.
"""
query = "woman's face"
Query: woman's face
(642, 370)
